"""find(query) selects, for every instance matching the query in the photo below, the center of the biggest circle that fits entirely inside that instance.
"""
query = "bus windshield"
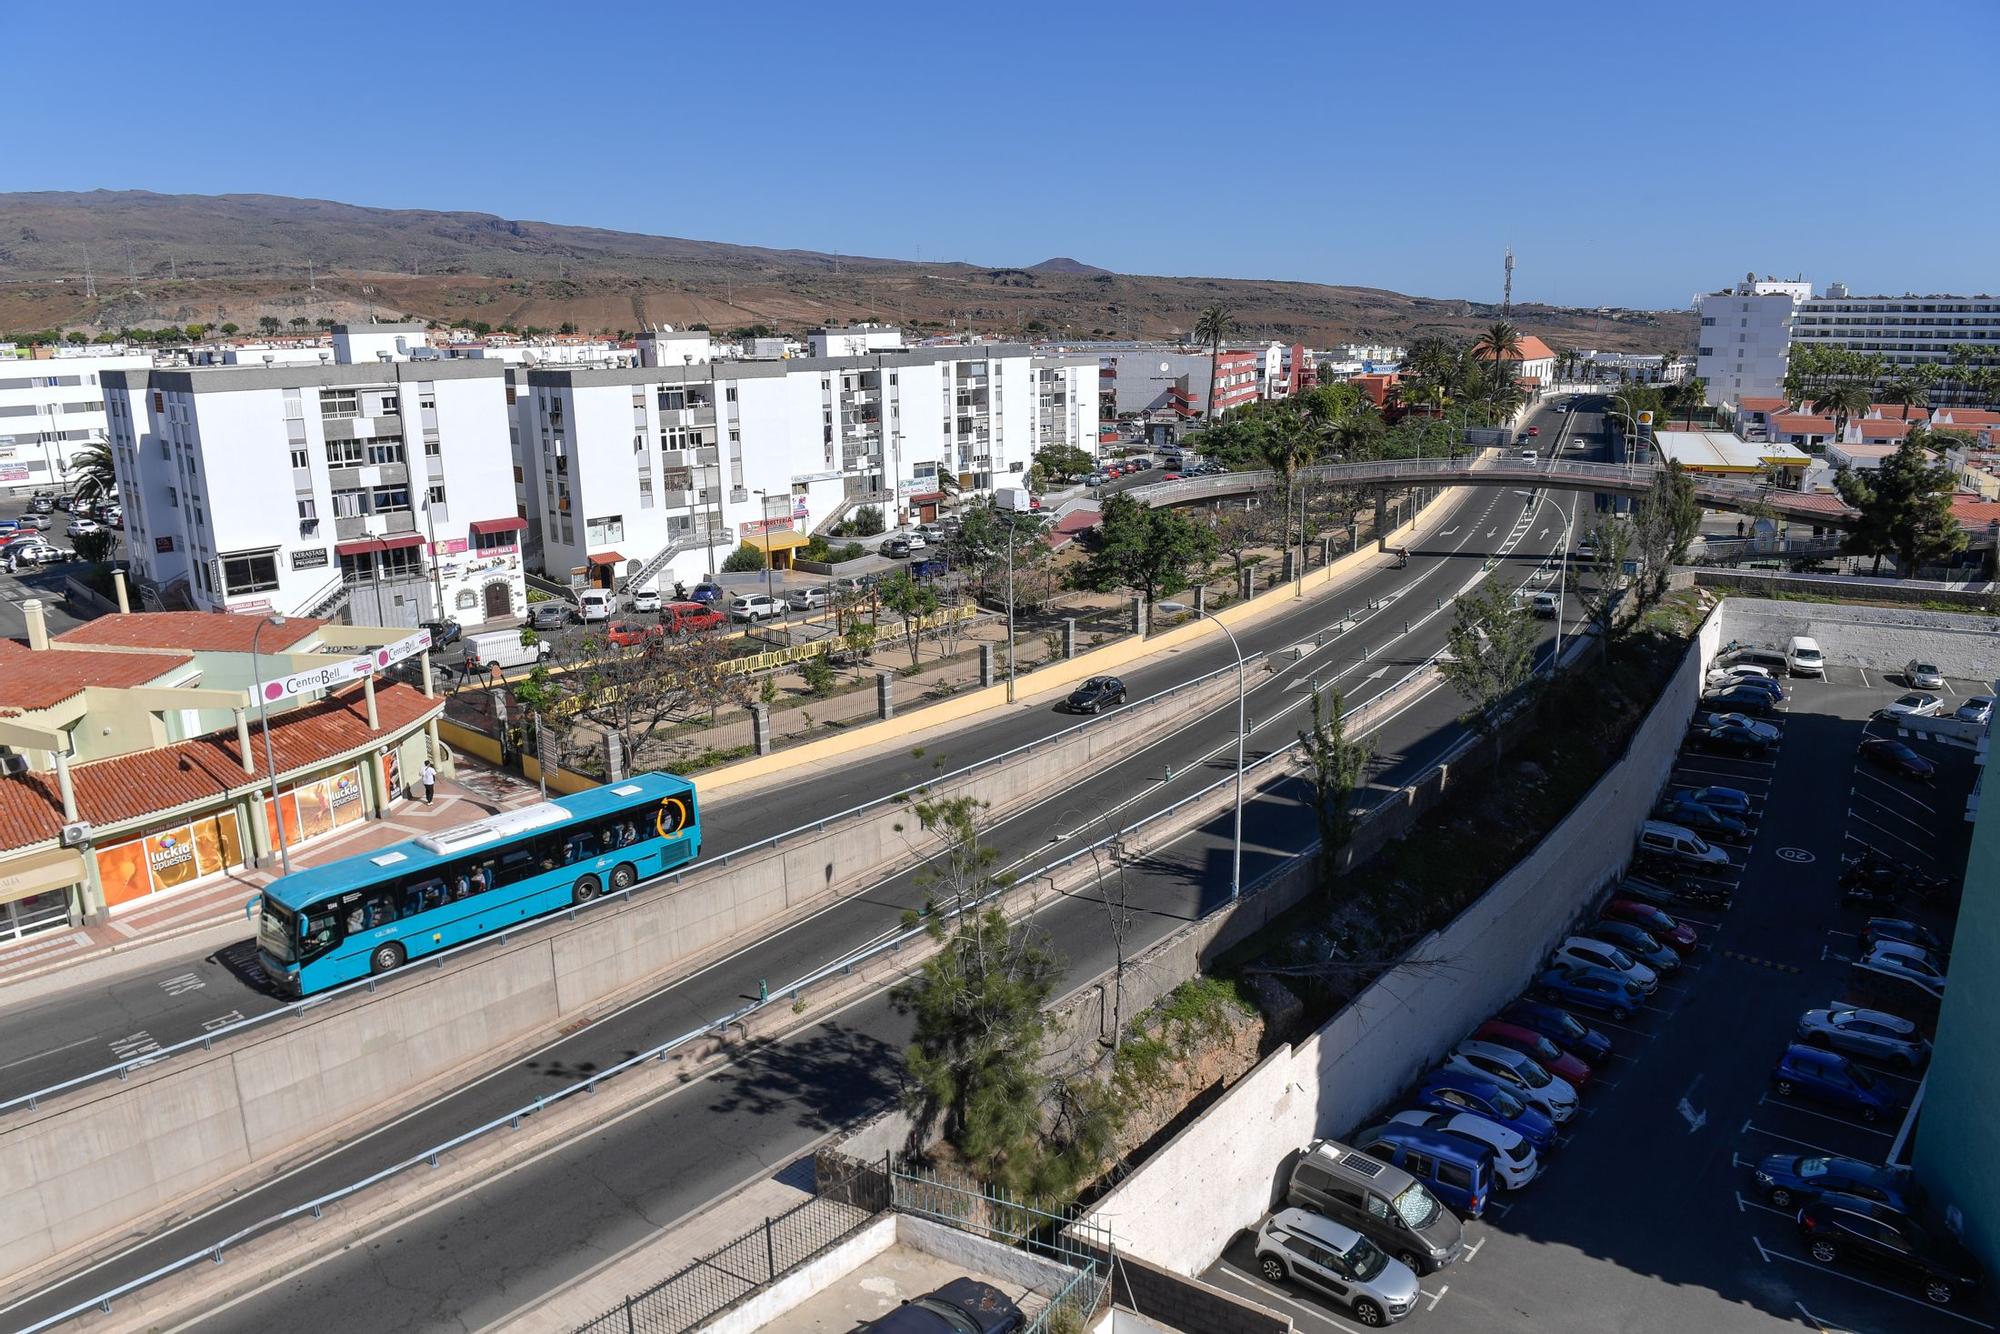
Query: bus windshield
(275, 928)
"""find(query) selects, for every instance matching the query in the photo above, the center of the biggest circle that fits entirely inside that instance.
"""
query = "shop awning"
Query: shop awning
(365, 546)
(784, 539)
(38, 871)
(606, 558)
(400, 540)
(487, 527)
(927, 497)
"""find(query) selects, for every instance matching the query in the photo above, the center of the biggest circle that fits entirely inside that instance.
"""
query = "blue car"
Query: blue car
(1636, 941)
(1829, 1077)
(1791, 1179)
(1560, 1027)
(1694, 815)
(1729, 800)
(705, 592)
(1456, 1091)
(1592, 988)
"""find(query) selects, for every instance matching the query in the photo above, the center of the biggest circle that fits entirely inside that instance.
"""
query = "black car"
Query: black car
(1731, 737)
(1096, 695)
(896, 548)
(1675, 892)
(1560, 1027)
(962, 1306)
(1789, 1179)
(1904, 930)
(549, 614)
(1896, 757)
(1841, 1229)
(443, 633)
(1740, 699)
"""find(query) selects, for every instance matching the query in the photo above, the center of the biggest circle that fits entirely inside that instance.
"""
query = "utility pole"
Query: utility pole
(89, 282)
(1507, 291)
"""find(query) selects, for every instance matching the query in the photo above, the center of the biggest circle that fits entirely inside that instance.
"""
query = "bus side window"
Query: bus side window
(517, 864)
(480, 877)
(381, 906)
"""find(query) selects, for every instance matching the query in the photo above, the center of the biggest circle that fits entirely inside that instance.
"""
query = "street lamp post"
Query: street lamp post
(764, 516)
(1010, 608)
(264, 720)
(1242, 688)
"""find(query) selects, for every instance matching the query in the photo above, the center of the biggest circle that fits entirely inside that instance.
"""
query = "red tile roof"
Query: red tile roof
(1973, 510)
(204, 769)
(1799, 423)
(217, 632)
(1876, 428)
(1823, 502)
(1968, 417)
(31, 679)
(1531, 349)
(1761, 404)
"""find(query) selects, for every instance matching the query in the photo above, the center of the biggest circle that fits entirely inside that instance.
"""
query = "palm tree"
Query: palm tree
(1908, 390)
(1849, 398)
(1213, 326)
(1287, 444)
(92, 466)
(1501, 342)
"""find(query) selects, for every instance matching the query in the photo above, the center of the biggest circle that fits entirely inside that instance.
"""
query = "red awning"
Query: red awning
(927, 497)
(363, 547)
(484, 527)
(401, 540)
(606, 558)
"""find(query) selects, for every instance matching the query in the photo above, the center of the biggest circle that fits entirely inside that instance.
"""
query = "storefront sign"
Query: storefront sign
(339, 671)
(163, 544)
(13, 472)
(449, 546)
(319, 807)
(310, 558)
(767, 525)
(169, 858)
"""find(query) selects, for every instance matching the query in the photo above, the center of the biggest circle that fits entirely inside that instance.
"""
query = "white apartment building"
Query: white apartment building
(1746, 336)
(50, 407)
(651, 475)
(1904, 331)
(378, 489)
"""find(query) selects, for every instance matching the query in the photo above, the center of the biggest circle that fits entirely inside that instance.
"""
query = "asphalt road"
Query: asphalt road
(474, 1260)
(1646, 1217)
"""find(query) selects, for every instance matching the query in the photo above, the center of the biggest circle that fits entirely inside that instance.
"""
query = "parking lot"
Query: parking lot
(1646, 1216)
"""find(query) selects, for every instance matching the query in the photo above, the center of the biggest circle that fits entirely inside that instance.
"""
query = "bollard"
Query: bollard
(1170, 774)
(986, 673)
(763, 991)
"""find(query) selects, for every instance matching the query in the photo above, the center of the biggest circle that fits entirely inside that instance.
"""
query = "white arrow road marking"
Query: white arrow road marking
(1449, 531)
(1696, 1120)
(1376, 674)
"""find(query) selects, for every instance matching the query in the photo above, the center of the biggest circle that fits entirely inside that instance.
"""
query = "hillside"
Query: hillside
(171, 259)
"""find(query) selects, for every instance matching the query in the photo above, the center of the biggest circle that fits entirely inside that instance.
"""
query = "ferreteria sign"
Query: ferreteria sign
(339, 671)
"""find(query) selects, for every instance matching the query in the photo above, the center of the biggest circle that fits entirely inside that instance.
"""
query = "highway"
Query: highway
(473, 1259)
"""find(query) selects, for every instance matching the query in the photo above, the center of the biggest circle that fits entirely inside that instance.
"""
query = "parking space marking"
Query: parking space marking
(1263, 1289)
(1864, 677)
(1436, 1297)
(1888, 834)
(1473, 1250)
(1770, 1255)
(1886, 809)
(1744, 1206)
(1883, 782)
(1622, 1028)
(1828, 952)
(1766, 1100)
(1620, 1056)
(1771, 964)
(1815, 1321)
(1749, 1128)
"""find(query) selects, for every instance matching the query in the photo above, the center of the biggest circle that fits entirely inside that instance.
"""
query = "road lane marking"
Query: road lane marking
(1770, 1255)
(1749, 1128)
(50, 1052)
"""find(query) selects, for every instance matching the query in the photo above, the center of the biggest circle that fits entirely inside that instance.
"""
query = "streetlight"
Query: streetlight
(764, 514)
(1242, 687)
(264, 718)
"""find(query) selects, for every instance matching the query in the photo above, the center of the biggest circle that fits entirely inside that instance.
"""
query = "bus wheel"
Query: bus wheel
(386, 958)
(623, 877)
(586, 889)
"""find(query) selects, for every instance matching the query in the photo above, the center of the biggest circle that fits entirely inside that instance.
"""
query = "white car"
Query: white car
(809, 598)
(915, 540)
(1911, 962)
(1978, 709)
(1554, 1097)
(1915, 705)
(1922, 675)
(1587, 953)
(754, 608)
(1514, 1158)
(83, 527)
(645, 599)
(1724, 677)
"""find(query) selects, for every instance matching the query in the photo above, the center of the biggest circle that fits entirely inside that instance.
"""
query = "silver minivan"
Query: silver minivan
(1383, 1203)
(1338, 1261)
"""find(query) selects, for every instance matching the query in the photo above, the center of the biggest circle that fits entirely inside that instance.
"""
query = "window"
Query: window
(335, 403)
(250, 571)
(608, 528)
(518, 477)
(381, 451)
(173, 497)
(347, 503)
(308, 508)
(389, 500)
(301, 458)
(436, 494)
(729, 394)
(345, 453)
(1314, 1178)
(400, 562)
(1451, 1174)
(431, 447)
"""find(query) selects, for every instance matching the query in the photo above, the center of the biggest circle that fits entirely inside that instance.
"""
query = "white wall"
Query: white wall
(1746, 349)
(43, 425)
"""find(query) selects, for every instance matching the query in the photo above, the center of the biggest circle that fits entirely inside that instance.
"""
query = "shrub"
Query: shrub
(743, 560)
(818, 675)
(868, 521)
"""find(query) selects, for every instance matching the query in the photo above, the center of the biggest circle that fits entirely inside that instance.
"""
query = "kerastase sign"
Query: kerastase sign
(339, 671)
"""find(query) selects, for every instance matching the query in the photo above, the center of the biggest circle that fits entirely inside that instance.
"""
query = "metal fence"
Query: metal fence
(725, 1276)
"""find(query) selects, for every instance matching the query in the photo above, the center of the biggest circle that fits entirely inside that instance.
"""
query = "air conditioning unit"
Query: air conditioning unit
(13, 764)
(76, 835)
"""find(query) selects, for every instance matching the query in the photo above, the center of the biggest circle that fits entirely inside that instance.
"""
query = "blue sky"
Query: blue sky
(1630, 154)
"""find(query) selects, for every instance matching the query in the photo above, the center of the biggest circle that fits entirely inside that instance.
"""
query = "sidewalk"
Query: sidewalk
(162, 917)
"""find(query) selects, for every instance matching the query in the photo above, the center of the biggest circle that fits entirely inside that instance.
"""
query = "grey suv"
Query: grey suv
(1320, 1253)
(1383, 1203)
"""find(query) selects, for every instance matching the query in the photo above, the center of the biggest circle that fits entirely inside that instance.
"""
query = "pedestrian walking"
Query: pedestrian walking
(430, 780)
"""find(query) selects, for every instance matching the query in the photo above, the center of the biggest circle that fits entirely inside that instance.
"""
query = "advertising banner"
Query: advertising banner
(169, 858)
(339, 671)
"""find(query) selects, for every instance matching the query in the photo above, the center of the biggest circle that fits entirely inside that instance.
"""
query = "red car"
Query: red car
(1526, 1040)
(681, 617)
(1171, 477)
(1677, 936)
(1534, 431)
(630, 634)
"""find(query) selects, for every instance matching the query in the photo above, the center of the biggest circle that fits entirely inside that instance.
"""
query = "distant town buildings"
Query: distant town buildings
(1533, 362)
(51, 406)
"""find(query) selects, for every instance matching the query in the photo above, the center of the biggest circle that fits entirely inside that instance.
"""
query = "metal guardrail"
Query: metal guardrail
(125, 1069)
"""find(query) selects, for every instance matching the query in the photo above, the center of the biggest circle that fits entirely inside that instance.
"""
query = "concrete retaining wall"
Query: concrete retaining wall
(1876, 638)
(1764, 583)
(1225, 1169)
(104, 1158)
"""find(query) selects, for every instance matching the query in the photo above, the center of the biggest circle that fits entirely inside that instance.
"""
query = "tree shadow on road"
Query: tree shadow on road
(827, 1077)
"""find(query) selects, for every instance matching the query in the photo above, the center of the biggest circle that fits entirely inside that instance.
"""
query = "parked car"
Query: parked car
(928, 569)
(32, 552)
(1740, 671)
(1560, 1027)
(1522, 1073)
(1733, 734)
(1874, 1035)
(83, 527)
(41, 523)
(1739, 699)
(1458, 1171)
(1803, 658)
(1729, 800)
(1636, 941)
(1515, 1162)
(643, 600)
(1384, 1204)
(1978, 709)
(1584, 952)
(1299, 1246)
(1658, 923)
(1913, 705)
(1528, 1042)
(915, 539)
(594, 605)
(1791, 1179)
(1459, 1091)
(631, 634)
(1838, 1229)
(1096, 695)
(1681, 846)
(754, 607)
(679, 618)
(444, 633)
(1769, 685)
(43, 504)
(962, 1306)
(551, 614)
(706, 591)
(810, 597)
(897, 548)
(1691, 814)
(1920, 675)
(1909, 962)
(851, 585)
(501, 651)
(1591, 988)
(1547, 606)
(1895, 756)
(1830, 1078)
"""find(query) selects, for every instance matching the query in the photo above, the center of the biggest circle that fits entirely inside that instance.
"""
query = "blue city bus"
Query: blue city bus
(372, 912)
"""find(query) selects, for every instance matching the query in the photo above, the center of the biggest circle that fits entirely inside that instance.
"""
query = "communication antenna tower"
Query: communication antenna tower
(1507, 293)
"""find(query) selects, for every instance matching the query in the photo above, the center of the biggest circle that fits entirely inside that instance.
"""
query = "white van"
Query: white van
(595, 604)
(1803, 657)
(502, 650)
